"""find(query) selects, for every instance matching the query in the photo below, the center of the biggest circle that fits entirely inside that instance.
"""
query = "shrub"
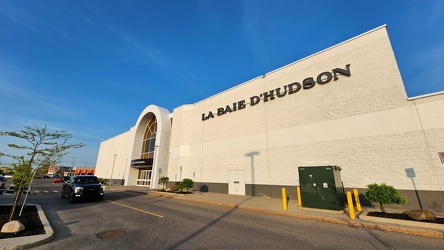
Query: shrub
(164, 181)
(187, 183)
(175, 188)
(102, 180)
(383, 194)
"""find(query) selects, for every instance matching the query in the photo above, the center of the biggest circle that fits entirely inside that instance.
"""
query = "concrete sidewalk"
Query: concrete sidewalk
(259, 204)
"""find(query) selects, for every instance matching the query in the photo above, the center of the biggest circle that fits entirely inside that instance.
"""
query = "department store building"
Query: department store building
(344, 106)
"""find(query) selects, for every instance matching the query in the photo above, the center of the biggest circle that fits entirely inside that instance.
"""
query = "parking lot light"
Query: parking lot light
(112, 170)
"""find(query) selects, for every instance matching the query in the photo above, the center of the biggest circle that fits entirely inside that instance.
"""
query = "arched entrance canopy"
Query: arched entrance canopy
(155, 153)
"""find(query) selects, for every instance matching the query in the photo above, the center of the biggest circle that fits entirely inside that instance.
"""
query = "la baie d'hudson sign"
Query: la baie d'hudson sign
(307, 83)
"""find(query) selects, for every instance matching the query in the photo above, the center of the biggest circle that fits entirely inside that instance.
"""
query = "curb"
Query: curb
(348, 222)
(404, 223)
(30, 241)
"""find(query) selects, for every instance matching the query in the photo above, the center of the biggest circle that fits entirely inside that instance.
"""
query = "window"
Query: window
(89, 179)
(149, 140)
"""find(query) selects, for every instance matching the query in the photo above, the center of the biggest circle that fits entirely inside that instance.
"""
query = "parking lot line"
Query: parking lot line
(137, 209)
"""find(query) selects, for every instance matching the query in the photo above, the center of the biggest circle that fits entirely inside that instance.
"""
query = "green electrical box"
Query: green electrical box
(321, 187)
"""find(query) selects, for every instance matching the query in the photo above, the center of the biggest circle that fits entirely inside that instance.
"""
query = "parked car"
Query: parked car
(42, 176)
(79, 187)
(2, 182)
(58, 179)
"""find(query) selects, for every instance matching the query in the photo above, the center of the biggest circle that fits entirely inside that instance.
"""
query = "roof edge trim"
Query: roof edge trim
(424, 96)
(329, 48)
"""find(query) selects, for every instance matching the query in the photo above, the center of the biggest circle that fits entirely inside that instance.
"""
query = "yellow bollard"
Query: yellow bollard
(298, 190)
(284, 198)
(358, 203)
(351, 210)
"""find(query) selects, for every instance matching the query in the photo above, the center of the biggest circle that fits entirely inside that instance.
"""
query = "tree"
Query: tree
(43, 170)
(186, 183)
(164, 181)
(21, 173)
(383, 194)
(41, 148)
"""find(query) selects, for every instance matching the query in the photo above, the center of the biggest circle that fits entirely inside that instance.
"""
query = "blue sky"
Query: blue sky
(91, 67)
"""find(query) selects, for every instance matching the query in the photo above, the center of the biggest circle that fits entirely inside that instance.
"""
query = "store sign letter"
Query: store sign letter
(308, 83)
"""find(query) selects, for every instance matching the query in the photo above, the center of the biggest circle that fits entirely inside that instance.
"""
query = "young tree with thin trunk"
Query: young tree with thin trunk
(186, 183)
(41, 148)
(383, 194)
(164, 181)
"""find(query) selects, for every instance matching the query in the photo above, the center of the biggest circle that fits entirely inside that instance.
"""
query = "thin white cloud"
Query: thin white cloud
(144, 50)
(430, 65)
(252, 31)
(432, 56)
(14, 92)
(18, 16)
(436, 14)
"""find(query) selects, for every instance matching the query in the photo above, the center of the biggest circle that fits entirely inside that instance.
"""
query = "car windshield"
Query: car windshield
(89, 179)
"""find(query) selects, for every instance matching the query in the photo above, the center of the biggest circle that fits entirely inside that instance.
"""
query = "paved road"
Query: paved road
(131, 220)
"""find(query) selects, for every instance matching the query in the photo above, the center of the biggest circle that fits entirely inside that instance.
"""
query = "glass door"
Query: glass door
(144, 178)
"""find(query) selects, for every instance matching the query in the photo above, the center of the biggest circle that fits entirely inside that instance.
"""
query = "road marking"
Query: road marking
(45, 191)
(140, 210)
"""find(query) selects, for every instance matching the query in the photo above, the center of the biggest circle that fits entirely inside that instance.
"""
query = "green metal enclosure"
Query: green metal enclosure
(321, 187)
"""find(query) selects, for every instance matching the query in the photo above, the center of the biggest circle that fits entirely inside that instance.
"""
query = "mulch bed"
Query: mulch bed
(177, 192)
(30, 219)
(401, 217)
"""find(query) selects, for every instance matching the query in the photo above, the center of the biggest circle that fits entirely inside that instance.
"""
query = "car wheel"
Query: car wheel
(72, 198)
(100, 198)
(62, 194)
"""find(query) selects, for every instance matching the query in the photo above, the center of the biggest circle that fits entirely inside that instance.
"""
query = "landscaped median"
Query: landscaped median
(29, 241)
(409, 223)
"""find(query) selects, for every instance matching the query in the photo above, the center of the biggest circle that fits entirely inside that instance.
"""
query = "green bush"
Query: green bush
(102, 180)
(164, 181)
(186, 183)
(175, 188)
(383, 194)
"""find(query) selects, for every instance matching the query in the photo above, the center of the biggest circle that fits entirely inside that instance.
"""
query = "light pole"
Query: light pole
(112, 170)
(73, 164)
(156, 149)
(124, 172)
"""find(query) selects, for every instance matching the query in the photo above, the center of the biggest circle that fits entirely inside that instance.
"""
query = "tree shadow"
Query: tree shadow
(410, 172)
(203, 229)
(251, 155)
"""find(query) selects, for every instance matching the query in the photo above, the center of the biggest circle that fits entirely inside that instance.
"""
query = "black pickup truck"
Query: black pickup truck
(82, 187)
(2, 183)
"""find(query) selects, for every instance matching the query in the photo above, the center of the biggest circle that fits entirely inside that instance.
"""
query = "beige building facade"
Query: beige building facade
(344, 106)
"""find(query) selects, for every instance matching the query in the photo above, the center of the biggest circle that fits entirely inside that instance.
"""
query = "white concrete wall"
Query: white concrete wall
(363, 123)
(431, 117)
(121, 145)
